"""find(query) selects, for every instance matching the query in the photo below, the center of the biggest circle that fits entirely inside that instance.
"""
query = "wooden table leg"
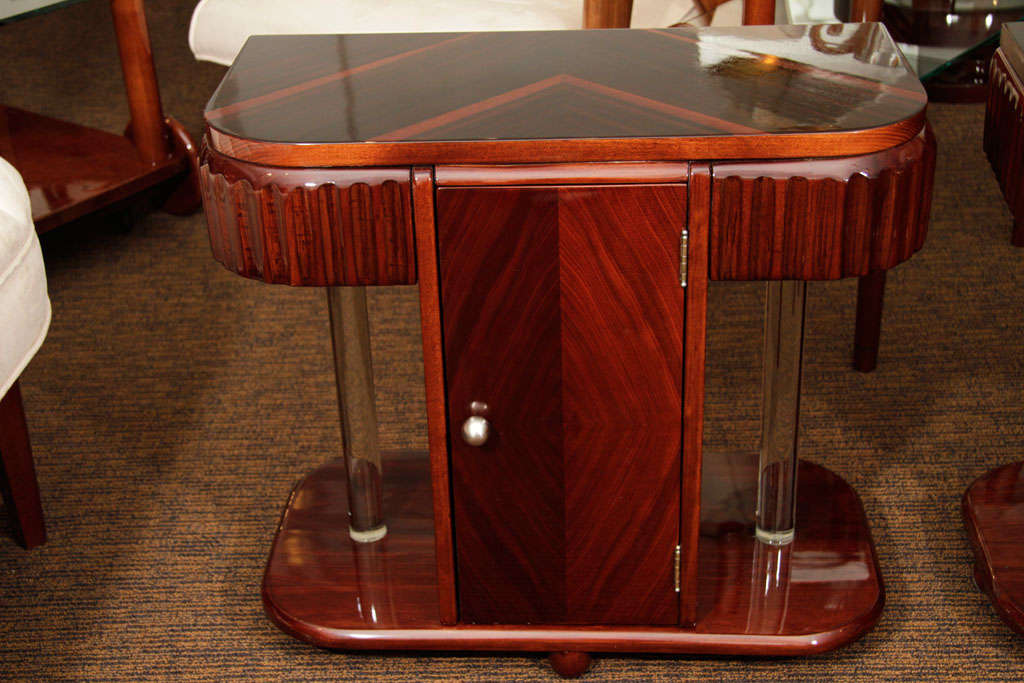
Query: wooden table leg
(865, 10)
(758, 12)
(17, 473)
(607, 13)
(870, 296)
(155, 137)
(140, 79)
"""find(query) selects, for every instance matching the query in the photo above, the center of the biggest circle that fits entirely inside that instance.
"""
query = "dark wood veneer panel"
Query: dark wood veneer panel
(499, 291)
(574, 386)
(821, 219)
(621, 346)
(321, 227)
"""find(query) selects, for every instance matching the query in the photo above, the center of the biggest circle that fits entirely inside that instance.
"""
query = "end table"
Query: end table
(562, 200)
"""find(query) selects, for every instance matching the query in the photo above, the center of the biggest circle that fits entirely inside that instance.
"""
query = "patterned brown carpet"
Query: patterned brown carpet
(174, 405)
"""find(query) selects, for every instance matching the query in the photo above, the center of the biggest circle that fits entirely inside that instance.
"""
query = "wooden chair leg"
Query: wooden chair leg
(865, 10)
(607, 13)
(758, 12)
(870, 295)
(17, 473)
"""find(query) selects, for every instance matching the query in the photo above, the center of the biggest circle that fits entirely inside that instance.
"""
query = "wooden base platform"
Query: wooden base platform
(820, 592)
(993, 509)
(71, 170)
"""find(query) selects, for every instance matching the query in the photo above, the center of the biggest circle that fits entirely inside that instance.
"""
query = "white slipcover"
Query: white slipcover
(24, 304)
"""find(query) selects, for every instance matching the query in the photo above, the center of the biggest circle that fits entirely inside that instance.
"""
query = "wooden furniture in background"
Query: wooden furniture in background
(1004, 123)
(72, 170)
(564, 236)
(993, 506)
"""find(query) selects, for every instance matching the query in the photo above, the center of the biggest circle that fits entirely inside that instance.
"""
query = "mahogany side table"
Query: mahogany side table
(562, 200)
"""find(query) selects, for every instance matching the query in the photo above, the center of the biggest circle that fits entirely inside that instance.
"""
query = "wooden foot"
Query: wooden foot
(17, 473)
(870, 295)
(569, 664)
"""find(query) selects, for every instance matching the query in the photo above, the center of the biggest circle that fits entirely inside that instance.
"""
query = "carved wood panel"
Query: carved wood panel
(310, 226)
(821, 219)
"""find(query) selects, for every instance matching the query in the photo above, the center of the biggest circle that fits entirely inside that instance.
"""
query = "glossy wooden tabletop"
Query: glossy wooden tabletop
(762, 91)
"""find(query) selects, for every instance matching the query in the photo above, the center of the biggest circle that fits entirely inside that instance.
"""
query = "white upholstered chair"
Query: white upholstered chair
(24, 320)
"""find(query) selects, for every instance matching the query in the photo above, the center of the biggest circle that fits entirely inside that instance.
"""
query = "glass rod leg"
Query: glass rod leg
(350, 333)
(780, 411)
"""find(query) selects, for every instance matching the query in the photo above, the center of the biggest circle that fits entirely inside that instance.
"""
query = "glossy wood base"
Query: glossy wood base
(993, 509)
(820, 592)
(71, 170)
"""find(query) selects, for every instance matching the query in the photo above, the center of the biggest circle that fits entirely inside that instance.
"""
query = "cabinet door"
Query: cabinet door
(562, 312)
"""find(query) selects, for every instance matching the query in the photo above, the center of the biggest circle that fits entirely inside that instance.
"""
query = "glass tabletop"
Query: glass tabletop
(930, 62)
(938, 35)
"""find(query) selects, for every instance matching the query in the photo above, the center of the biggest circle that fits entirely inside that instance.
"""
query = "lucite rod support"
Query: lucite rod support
(780, 411)
(350, 333)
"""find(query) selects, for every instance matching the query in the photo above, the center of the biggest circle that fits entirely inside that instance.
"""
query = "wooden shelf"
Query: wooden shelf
(325, 589)
(72, 170)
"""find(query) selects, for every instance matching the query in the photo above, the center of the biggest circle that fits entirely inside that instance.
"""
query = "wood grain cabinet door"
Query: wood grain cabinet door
(563, 315)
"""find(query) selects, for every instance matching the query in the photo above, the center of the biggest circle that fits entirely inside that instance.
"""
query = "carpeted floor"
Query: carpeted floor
(173, 406)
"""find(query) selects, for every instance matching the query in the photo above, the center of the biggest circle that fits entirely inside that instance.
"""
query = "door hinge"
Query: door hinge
(684, 241)
(679, 563)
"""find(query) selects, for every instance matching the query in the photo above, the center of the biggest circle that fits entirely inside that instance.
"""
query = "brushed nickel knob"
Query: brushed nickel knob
(476, 430)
